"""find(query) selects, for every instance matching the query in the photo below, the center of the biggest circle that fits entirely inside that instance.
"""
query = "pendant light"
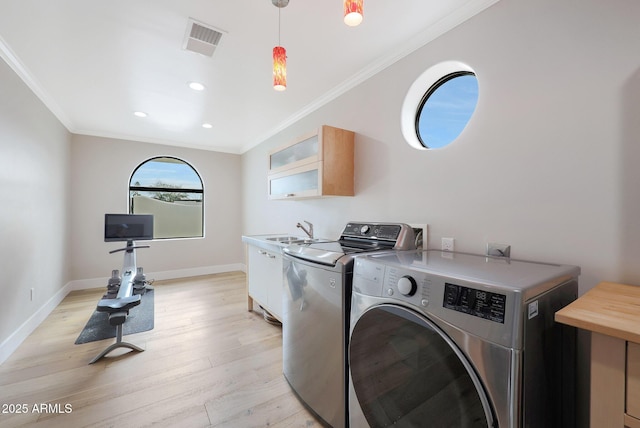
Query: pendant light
(279, 55)
(353, 12)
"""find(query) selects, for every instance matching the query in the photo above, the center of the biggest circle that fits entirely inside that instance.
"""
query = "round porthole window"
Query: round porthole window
(439, 105)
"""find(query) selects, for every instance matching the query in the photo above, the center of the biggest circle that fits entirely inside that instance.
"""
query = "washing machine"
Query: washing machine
(442, 339)
(316, 299)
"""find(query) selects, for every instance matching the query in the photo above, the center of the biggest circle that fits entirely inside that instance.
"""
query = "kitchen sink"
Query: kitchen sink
(311, 240)
(286, 239)
(294, 240)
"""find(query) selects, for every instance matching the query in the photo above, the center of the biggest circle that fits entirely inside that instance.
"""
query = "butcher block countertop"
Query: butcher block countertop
(608, 308)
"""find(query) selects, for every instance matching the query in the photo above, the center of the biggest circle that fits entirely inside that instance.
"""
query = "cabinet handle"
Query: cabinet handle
(289, 195)
(262, 252)
(271, 256)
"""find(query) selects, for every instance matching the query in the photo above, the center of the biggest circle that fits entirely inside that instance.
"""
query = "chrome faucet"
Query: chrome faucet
(309, 231)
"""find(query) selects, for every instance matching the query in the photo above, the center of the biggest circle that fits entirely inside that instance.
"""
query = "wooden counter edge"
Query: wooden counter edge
(584, 312)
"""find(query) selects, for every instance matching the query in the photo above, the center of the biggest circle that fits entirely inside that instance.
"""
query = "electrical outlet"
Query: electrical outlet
(447, 244)
(498, 250)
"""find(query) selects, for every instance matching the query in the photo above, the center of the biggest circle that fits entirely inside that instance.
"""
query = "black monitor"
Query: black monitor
(128, 227)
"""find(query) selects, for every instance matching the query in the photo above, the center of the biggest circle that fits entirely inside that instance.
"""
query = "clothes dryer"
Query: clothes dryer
(442, 339)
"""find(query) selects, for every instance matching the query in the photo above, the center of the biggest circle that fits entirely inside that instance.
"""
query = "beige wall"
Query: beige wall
(34, 209)
(547, 164)
(101, 169)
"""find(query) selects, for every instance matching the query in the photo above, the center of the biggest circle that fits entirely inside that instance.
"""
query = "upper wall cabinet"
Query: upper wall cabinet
(314, 165)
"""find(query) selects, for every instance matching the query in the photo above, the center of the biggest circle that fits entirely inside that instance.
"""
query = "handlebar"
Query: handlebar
(129, 248)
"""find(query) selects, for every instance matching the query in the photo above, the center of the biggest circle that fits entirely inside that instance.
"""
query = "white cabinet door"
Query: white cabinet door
(265, 279)
(257, 265)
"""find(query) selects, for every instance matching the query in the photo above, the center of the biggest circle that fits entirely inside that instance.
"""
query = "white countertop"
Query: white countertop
(263, 241)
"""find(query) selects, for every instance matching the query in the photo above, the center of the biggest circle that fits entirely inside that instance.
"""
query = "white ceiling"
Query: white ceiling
(93, 63)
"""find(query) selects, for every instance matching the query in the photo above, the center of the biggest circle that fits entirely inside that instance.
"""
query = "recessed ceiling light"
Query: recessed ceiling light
(140, 113)
(207, 125)
(196, 86)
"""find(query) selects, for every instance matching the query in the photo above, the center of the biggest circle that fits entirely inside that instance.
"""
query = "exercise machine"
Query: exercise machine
(125, 293)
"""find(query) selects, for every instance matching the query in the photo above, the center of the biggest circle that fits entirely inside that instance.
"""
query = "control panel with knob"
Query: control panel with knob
(380, 231)
(407, 285)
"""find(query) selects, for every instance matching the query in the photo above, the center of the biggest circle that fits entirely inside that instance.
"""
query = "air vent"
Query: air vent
(201, 38)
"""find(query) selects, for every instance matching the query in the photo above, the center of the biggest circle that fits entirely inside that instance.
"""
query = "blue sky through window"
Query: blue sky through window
(447, 111)
(167, 171)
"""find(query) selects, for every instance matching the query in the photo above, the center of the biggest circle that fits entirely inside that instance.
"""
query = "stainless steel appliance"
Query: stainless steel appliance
(459, 340)
(316, 312)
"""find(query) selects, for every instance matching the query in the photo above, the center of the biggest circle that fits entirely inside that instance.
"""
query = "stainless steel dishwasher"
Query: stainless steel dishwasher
(317, 296)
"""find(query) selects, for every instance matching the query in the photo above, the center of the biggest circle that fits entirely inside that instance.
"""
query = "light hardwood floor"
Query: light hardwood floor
(207, 363)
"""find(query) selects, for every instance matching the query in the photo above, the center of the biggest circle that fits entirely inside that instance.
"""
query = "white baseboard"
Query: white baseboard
(85, 284)
(186, 273)
(8, 346)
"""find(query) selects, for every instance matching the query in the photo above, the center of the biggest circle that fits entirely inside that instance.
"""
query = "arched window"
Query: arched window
(171, 190)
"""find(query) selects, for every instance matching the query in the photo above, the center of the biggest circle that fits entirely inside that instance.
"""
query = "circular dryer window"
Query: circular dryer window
(406, 372)
(438, 105)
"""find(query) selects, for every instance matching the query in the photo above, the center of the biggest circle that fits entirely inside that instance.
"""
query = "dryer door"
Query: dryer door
(406, 372)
